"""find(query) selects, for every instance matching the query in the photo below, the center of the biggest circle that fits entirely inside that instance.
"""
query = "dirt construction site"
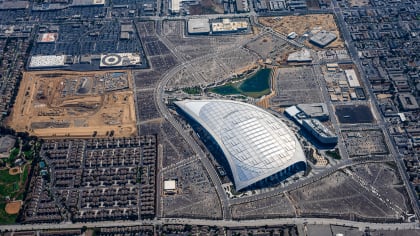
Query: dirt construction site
(305, 24)
(75, 104)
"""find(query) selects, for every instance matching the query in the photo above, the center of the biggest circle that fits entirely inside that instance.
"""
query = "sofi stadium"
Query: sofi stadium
(255, 147)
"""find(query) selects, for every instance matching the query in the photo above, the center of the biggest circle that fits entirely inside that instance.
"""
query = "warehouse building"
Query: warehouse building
(322, 38)
(228, 26)
(199, 26)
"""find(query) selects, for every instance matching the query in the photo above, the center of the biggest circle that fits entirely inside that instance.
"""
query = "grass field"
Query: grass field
(255, 86)
(192, 90)
(12, 186)
(4, 217)
(13, 154)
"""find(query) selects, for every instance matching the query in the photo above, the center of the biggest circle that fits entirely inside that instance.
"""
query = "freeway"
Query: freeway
(220, 223)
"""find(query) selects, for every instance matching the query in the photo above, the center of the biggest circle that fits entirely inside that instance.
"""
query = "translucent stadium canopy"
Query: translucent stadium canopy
(255, 143)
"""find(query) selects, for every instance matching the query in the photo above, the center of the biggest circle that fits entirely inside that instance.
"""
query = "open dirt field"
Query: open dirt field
(76, 104)
(305, 24)
(15, 171)
(358, 3)
(13, 207)
(206, 7)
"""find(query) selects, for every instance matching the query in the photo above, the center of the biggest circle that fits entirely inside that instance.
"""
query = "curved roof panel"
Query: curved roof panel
(256, 144)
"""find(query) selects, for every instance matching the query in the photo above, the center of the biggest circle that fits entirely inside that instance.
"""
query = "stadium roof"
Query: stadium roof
(255, 143)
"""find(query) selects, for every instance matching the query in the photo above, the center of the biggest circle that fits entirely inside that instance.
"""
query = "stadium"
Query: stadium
(256, 148)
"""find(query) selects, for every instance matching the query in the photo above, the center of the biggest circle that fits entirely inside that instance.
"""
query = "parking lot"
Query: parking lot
(91, 12)
(147, 109)
(213, 69)
(353, 114)
(159, 55)
(277, 206)
(269, 46)
(196, 196)
(357, 193)
(333, 55)
(364, 142)
(90, 40)
(295, 85)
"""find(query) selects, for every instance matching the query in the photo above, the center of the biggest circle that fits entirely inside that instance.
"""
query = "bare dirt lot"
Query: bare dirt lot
(15, 171)
(13, 207)
(206, 7)
(305, 24)
(358, 3)
(76, 104)
(364, 192)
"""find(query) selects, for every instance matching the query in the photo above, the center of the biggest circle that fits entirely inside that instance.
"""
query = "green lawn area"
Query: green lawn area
(13, 154)
(28, 154)
(12, 186)
(255, 86)
(4, 217)
(192, 90)
(334, 154)
(6, 178)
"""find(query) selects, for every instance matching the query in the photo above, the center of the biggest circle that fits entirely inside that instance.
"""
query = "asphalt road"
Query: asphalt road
(221, 223)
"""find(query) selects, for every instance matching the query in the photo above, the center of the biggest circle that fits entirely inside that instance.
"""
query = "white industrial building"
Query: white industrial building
(303, 55)
(41, 61)
(174, 6)
(199, 26)
(323, 38)
(352, 78)
(48, 38)
(227, 25)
